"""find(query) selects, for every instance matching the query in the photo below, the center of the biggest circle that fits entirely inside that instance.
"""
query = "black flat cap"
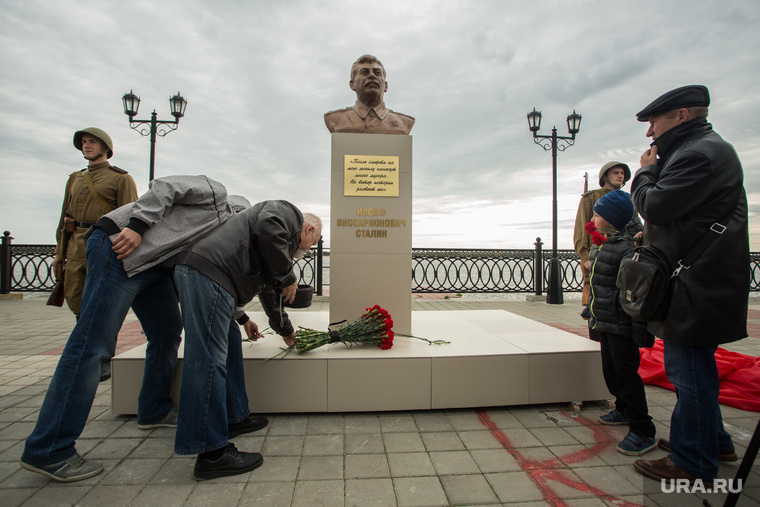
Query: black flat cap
(686, 96)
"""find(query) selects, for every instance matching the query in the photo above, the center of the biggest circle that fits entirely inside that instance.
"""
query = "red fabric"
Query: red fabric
(739, 376)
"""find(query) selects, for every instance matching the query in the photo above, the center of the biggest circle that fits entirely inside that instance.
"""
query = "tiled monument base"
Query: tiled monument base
(495, 358)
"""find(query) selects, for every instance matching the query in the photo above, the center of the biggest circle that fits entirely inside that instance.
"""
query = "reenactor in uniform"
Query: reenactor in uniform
(369, 114)
(90, 193)
(612, 176)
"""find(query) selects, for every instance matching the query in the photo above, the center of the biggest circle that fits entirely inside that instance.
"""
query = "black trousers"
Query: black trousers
(620, 367)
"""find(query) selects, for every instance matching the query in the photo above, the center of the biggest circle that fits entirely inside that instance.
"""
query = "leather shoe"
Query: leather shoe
(232, 462)
(664, 468)
(725, 457)
(249, 424)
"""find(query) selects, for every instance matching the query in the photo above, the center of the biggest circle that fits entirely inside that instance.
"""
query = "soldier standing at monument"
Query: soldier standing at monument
(90, 193)
(369, 114)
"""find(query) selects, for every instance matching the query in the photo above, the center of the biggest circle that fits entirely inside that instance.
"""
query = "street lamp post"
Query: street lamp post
(554, 143)
(153, 126)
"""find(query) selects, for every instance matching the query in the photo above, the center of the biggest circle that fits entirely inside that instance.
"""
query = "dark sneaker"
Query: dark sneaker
(724, 456)
(248, 425)
(167, 421)
(72, 469)
(635, 445)
(614, 418)
(232, 462)
(105, 370)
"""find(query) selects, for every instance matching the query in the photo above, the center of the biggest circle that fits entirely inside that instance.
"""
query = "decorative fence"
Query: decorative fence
(28, 268)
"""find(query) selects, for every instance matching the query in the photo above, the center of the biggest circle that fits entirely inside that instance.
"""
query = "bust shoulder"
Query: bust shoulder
(338, 112)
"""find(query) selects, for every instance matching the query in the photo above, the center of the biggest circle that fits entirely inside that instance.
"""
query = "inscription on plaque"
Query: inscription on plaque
(370, 175)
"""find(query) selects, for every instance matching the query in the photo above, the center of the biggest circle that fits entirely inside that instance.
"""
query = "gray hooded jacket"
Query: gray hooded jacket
(183, 206)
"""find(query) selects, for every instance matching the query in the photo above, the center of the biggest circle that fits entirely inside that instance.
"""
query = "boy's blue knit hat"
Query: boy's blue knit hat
(616, 207)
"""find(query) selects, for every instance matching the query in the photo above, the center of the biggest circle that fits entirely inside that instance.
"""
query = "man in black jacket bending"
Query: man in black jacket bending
(690, 186)
(224, 268)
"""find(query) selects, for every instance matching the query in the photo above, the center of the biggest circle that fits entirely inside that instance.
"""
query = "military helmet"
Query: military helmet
(100, 134)
(609, 165)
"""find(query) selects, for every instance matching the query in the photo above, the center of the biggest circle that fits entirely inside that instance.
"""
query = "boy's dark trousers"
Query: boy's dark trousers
(620, 367)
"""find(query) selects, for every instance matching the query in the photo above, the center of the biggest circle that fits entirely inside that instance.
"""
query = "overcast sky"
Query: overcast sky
(259, 75)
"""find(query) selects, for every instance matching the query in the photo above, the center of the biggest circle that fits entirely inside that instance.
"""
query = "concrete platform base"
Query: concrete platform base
(495, 358)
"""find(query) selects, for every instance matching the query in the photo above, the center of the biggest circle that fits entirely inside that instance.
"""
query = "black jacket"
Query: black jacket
(697, 182)
(252, 249)
(603, 308)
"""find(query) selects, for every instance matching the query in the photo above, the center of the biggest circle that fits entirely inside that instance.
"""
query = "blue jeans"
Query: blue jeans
(213, 389)
(108, 294)
(696, 425)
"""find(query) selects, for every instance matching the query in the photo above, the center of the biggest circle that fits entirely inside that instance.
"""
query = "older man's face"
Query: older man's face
(368, 80)
(663, 122)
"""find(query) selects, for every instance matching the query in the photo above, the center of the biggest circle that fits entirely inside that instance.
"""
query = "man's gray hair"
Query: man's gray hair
(313, 220)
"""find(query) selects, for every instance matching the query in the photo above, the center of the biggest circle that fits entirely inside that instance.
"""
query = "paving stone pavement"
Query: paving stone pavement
(519, 455)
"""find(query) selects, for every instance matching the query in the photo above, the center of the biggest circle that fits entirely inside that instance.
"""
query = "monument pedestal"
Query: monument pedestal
(371, 227)
(494, 358)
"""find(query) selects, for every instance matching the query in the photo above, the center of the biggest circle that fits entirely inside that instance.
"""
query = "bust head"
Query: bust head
(368, 80)
(369, 114)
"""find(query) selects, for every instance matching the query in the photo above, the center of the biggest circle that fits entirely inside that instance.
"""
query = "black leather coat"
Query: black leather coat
(251, 249)
(697, 182)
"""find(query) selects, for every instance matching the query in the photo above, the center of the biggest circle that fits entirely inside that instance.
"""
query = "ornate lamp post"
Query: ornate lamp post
(554, 143)
(153, 126)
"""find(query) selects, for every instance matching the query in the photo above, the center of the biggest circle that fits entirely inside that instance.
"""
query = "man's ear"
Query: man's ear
(351, 85)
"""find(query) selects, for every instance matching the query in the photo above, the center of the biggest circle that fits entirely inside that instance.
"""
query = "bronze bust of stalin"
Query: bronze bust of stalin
(369, 114)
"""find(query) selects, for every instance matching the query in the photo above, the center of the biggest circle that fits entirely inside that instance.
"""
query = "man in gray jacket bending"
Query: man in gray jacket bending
(162, 221)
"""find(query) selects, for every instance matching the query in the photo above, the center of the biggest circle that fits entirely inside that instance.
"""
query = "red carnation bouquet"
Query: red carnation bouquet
(374, 327)
(597, 237)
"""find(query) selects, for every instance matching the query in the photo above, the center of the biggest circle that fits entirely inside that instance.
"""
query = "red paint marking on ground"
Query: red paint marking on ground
(547, 492)
(557, 476)
(579, 330)
(542, 472)
(130, 336)
(753, 328)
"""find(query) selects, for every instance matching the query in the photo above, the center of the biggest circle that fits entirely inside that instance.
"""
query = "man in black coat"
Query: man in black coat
(221, 269)
(690, 186)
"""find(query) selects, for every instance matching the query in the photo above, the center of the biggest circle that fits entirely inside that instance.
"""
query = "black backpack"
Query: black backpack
(646, 277)
(645, 280)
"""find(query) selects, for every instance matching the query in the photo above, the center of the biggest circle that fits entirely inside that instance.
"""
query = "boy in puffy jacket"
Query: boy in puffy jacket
(614, 228)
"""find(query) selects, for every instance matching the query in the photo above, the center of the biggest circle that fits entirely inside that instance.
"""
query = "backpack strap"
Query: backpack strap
(715, 230)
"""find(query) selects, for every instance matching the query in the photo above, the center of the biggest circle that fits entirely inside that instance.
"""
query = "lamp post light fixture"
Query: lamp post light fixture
(554, 143)
(153, 126)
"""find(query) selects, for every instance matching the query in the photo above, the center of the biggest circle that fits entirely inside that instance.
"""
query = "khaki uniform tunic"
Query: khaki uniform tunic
(360, 119)
(117, 188)
(581, 239)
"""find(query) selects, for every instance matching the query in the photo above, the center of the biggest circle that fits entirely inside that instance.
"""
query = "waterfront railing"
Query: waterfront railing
(28, 268)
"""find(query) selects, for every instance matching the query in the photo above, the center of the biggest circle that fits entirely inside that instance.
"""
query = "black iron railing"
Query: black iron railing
(28, 268)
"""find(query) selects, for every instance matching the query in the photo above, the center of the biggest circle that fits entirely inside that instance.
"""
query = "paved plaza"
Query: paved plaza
(519, 455)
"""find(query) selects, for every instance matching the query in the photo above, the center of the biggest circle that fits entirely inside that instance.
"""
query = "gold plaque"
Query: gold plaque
(370, 176)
